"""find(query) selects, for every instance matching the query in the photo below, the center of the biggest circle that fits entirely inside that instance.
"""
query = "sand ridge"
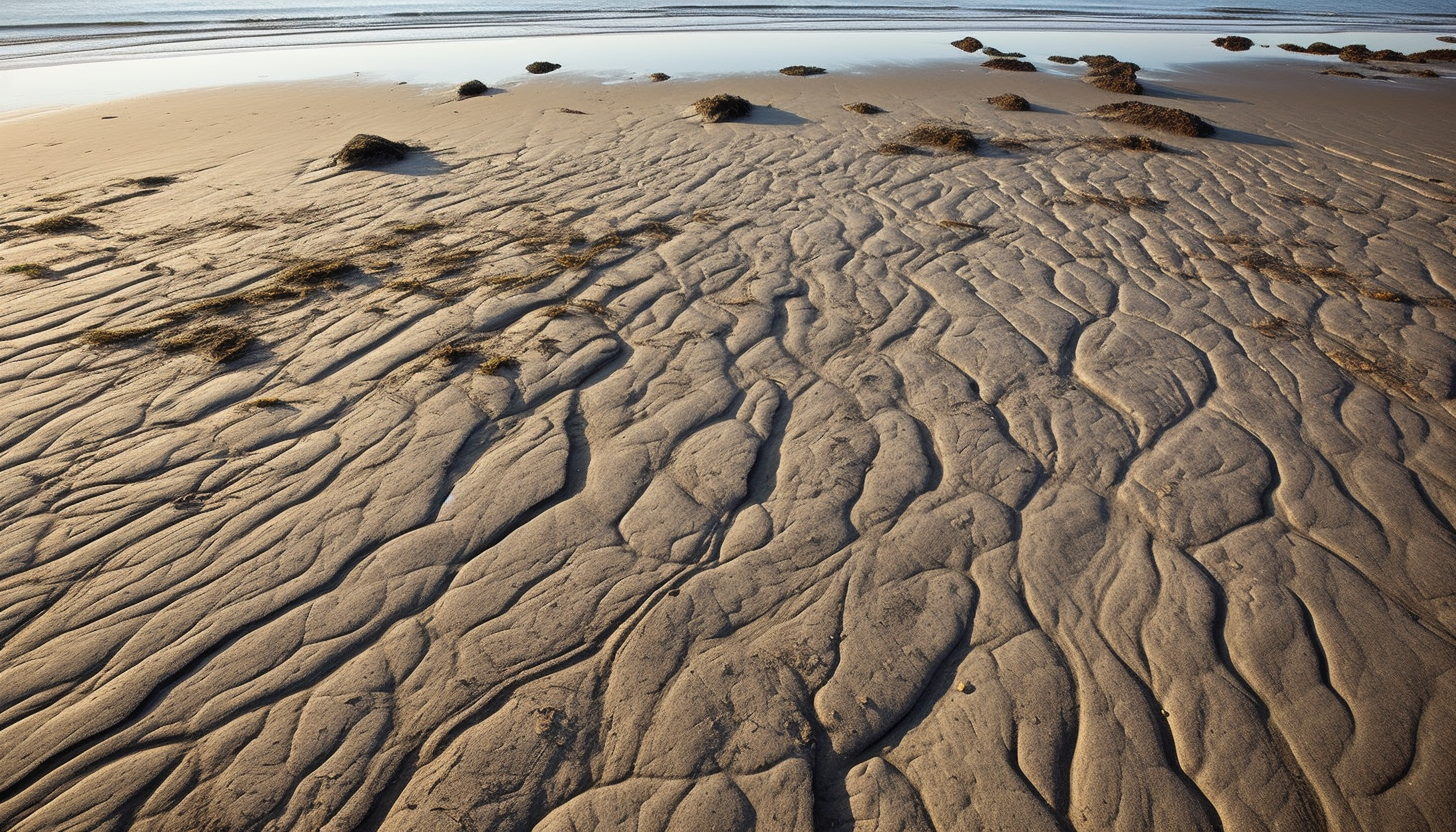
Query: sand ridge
(636, 473)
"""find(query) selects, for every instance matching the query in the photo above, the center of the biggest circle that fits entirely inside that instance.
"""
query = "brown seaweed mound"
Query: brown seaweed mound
(722, 108)
(64, 224)
(1359, 53)
(365, 150)
(799, 71)
(1107, 62)
(1108, 73)
(1061, 59)
(470, 89)
(659, 76)
(943, 136)
(541, 67)
(1009, 101)
(967, 44)
(1140, 143)
(1234, 43)
(997, 53)
(219, 342)
(1167, 119)
(1010, 65)
(863, 108)
(1433, 55)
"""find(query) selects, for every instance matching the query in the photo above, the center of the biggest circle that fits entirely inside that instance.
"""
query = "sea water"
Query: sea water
(85, 28)
(49, 49)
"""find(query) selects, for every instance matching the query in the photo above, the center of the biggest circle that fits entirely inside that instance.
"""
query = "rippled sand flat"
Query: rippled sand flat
(610, 470)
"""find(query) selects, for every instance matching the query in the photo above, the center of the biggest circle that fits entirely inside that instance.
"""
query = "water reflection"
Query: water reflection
(613, 57)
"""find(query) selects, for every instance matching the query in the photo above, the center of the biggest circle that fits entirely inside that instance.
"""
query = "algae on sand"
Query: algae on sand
(1167, 119)
(722, 108)
(1009, 65)
(1009, 101)
(943, 136)
(63, 224)
(470, 89)
(367, 150)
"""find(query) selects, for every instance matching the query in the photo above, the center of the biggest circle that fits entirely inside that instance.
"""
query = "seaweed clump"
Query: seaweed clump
(945, 137)
(1319, 47)
(967, 44)
(541, 67)
(1433, 55)
(1359, 53)
(722, 108)
(1010, 65)
(1108, 73)
(997, 53)
(1140, 143)
(63, 224)
(1009, 101)
(658, 76)
(1167, 119)
(365, 150)
(1061, 59)
(310, 273)
(28, 269)
(864, 108)
(1234, 43)
(217, 342)
(470, 89)
(1415, 73)
(1316, 48)
(799, 71)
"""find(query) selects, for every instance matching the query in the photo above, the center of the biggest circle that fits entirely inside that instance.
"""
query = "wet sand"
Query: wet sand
(597, 468)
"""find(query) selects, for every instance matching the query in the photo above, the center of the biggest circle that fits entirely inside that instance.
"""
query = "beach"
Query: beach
(593, 466)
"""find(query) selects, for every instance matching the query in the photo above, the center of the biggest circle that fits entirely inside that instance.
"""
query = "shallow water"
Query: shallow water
(55, 31)
(615, 58)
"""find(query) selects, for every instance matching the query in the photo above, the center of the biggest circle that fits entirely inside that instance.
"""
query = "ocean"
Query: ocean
(50, 49)
(55, 29)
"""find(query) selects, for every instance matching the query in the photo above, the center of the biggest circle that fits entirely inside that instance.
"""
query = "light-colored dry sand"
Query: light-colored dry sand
(1059, 487)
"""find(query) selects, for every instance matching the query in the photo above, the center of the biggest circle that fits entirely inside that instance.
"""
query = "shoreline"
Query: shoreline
(616, 56)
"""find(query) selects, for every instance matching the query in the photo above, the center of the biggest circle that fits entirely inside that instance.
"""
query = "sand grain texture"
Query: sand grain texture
(803, 488)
